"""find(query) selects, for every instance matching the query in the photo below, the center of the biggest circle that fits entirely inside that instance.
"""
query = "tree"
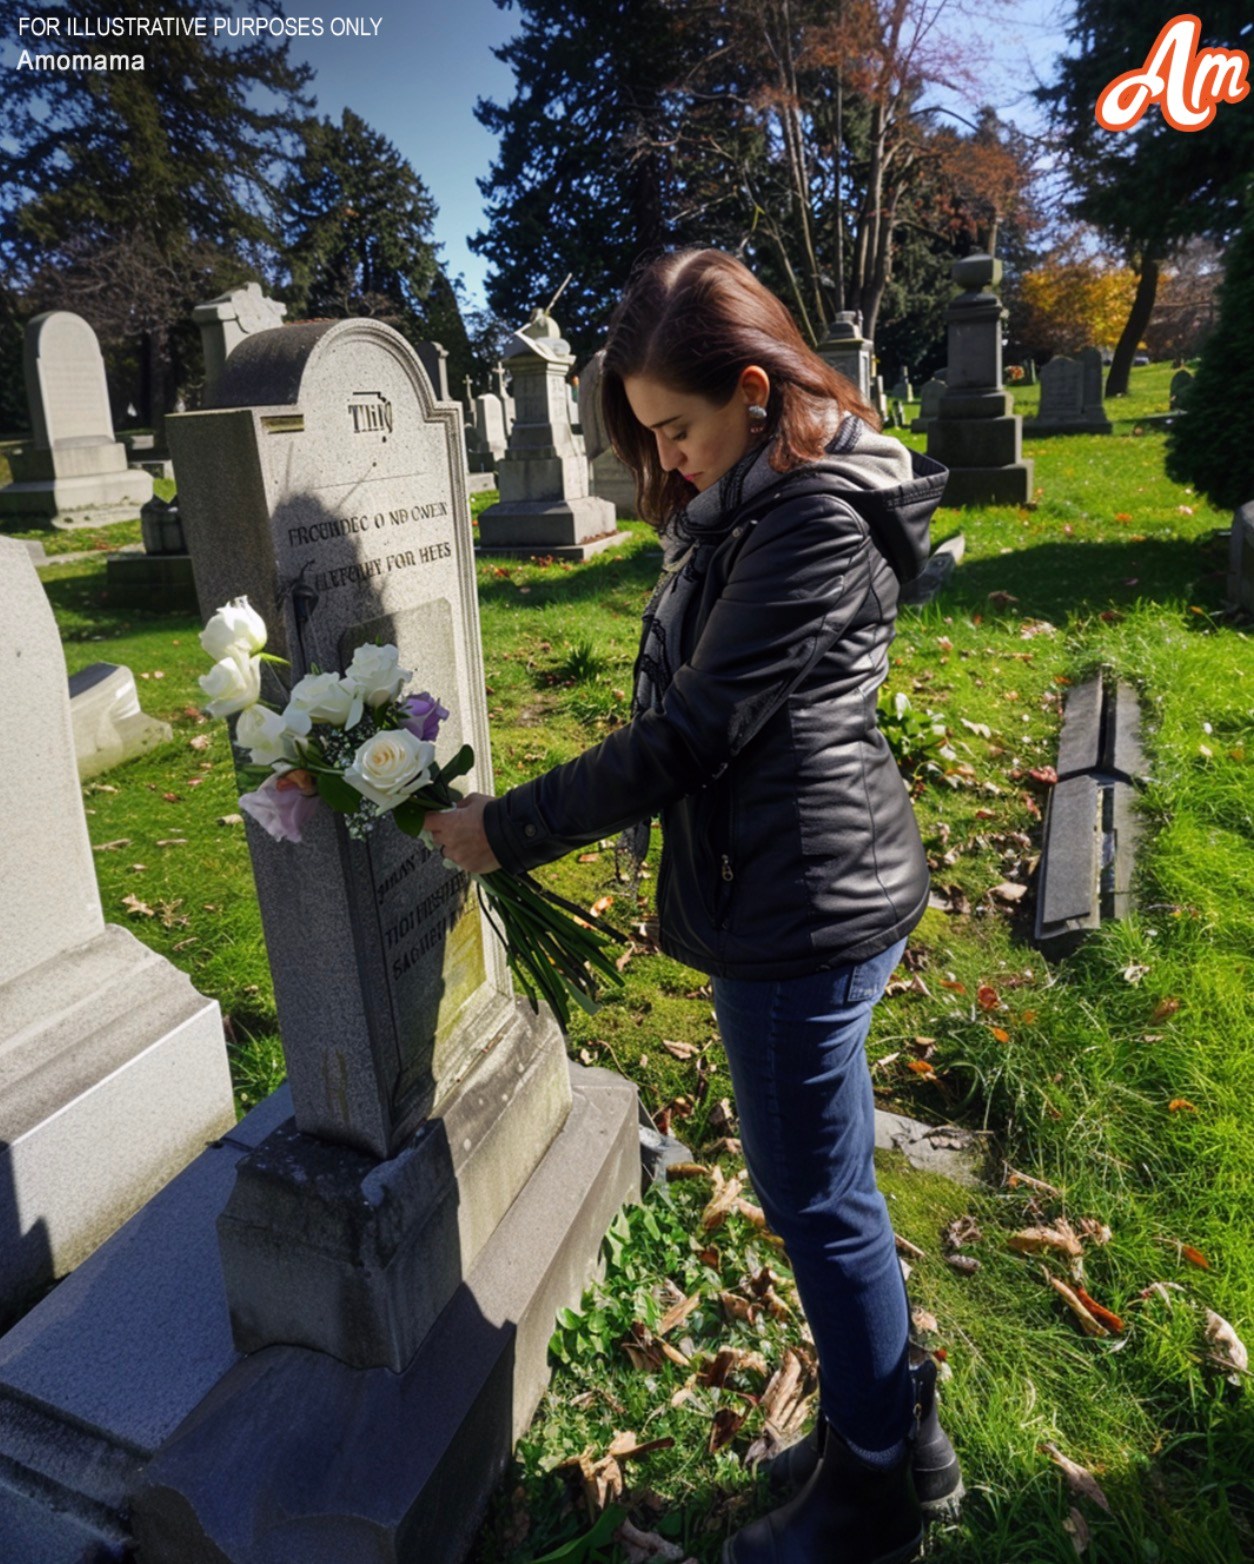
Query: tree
(1150, 188)
(359, 222)
(168, 165)
(1072, 300)
(1212, 445)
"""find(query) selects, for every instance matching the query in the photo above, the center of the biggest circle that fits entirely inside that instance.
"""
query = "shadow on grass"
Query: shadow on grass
(632, 573)
(1071, 580)
(84, 611)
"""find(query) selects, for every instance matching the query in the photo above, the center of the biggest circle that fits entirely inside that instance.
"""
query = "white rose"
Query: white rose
(238, 626)
(321, 697)
(233, 683)
(265, 735)
(376, 675)
(390, 766)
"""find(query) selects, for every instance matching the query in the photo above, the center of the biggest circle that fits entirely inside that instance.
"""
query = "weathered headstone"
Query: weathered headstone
(74, 472)
(847, 350)
(1071, 396)
(1240, 584)
(608, 475)
(113, 1070)
(428, 1102)
(227, 321)
(545, 507)
(433, 356)
(930, 395)
(975, 433)
(504, 390)
(109, 726)
(903, 391)
(490, 426)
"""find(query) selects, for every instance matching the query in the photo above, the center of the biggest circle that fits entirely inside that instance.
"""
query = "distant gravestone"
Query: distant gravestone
(1181, 384)
(903, 391)
(433, 356)
(490, 424)
(545, 507)
(1240, 585)
(1071, 396)
(74, 473)
(109, 726)
(976, 433)
(930, 395)
(609, 477)
(113, 1071)
(227, 321)
(847, 350)
(503, 390)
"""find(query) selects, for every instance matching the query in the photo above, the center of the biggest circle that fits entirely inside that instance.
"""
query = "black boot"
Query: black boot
(937, 1477)
(847, 1513)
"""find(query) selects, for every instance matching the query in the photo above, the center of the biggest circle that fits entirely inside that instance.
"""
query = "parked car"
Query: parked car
(1141, 358)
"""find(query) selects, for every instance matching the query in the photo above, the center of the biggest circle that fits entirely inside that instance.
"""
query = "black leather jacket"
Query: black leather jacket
(789, 841)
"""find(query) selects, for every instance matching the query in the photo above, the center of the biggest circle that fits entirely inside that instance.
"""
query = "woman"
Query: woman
(791, 867)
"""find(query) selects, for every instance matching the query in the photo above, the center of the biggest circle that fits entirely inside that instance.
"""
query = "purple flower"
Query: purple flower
(281, 806)
(423, 716)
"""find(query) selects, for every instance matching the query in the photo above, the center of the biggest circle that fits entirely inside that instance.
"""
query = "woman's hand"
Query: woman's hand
(460, 836)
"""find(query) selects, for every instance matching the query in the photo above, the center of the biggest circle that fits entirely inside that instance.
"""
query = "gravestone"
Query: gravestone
(109, 726)
(113, 1070)
(930, 395)
(227, 321)
(433, 356)
(1071, 396)
(545, 507)
(1181, 384)
(609, 477)
(903, 391)
(74, 473)
(975, 432)
(427, 1101)
(1240, 583)
(159, 574)
(490, 426)
(508, 407)
(845, 349)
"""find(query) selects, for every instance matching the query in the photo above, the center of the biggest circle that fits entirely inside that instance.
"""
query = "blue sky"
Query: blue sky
(417, 81)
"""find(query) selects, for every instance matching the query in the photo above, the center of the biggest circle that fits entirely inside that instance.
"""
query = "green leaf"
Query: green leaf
(333, 790)
(577, 1552)
(459, 765)
(410, 817)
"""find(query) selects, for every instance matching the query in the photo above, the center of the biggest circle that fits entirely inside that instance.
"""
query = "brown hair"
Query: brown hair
(694, 320)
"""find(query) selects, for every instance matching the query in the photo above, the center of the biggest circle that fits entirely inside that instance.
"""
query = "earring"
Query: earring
(757, 418)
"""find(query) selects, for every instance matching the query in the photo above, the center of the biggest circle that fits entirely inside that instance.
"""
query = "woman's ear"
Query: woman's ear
(754, 385)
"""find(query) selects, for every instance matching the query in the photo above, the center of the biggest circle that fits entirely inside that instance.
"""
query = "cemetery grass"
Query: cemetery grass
(1120, 1077)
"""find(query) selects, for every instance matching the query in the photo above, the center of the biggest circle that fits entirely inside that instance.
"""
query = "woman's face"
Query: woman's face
(694, 437)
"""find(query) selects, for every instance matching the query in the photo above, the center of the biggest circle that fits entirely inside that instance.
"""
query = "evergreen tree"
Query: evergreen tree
(175, 165)
(1151, 188)
(1212, 445)
(359, 220)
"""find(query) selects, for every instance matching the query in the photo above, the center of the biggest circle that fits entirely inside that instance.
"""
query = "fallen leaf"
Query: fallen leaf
(173, 798)
(678, 1313)
(964, 1264)
(722, 1117)
(680, 1050)
(961, 1231)
(171, 841)
(924, 1322)
(1105, 1316)
(1134, 972)
(1013, 1178)
(980, 729)
(1088, 1324)
(639, 1547)
(1008, 891)
(1079, 1479)
(987, 997)
(230, 819)
(1181, 1105)
(920, 1067)
(1096, 1232)
(751, 1213)
(602, 904)
(726, 1193)
(738, 1308)
(200, 741)
(1058, 1239)
(904, 1246)
(111, 847)
(1002, 599)
(784, 1404)
(1195, 1257)
(1228, 1350)
(687, 1170)
(137, 908)
(1001, 1034)
(732, 1360)
(1045, 775)
(953, 986)
(1077, 1528)
(588, 857)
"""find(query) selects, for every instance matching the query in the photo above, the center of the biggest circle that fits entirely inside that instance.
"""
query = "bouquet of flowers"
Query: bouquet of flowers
(357, 743)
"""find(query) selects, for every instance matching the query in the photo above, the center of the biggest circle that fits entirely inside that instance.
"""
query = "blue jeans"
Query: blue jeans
(807, 1126)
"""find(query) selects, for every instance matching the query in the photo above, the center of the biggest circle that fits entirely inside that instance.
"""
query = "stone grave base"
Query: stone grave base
(155, 466)
(125, 1408)
(66, 502)
(108, 725)
(567, 529)
(1239, 588)
(480, 482)
(1011, 485)
(934, 577)
(575, 553)
(112, 1079)
(326, 1247)
(156, 581)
